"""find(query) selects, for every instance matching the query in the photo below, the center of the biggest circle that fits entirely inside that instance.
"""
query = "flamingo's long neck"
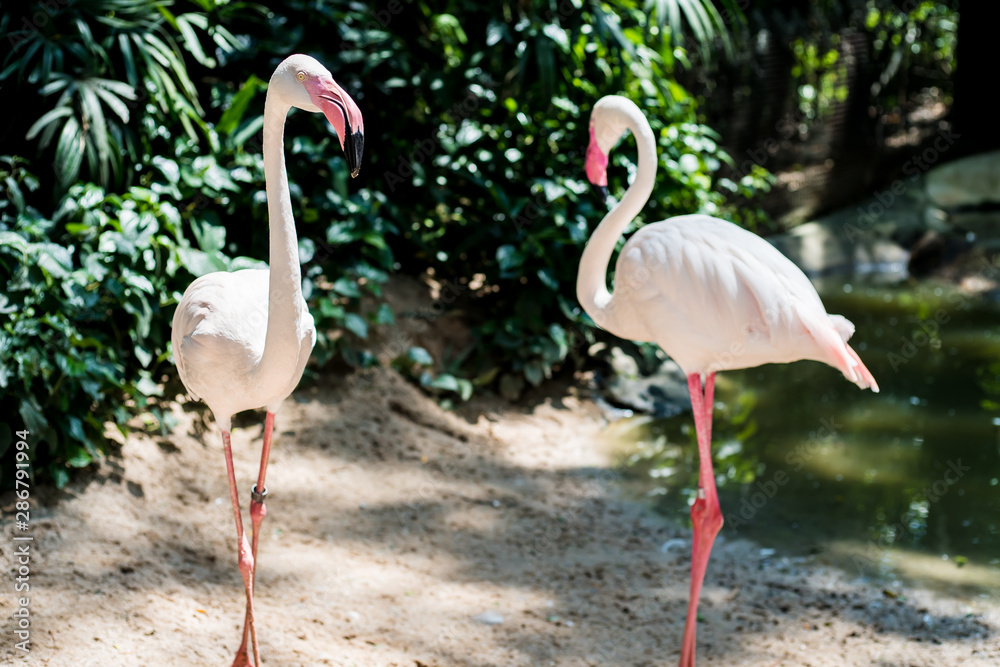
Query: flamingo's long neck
(285, 303)
(591, 281)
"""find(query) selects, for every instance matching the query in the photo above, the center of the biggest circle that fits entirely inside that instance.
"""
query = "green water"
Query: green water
(899, 483)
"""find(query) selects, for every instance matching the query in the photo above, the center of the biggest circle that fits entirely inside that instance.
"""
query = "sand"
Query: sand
(399, 533)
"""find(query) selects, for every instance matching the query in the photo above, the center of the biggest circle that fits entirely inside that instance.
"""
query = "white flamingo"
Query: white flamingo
(712, 295)
(241, 340)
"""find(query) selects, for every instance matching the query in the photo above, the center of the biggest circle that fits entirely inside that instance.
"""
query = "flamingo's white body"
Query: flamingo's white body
(712, 295)
(241, 340)
(718, 297)
(220, 331)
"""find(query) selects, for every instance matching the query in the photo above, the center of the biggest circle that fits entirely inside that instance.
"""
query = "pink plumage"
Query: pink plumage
(241, 340)
(712, 295)
(717, 297)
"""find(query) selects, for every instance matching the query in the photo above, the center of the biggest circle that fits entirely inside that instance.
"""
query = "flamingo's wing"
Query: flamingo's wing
(717, 297)
(218, 332)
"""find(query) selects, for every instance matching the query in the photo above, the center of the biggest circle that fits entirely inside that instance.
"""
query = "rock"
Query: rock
(847, 243)
(488, 618)
(976, 270)
(934, 250)
(662, 394)
(971, 181)
(674, 544)
(622, 364)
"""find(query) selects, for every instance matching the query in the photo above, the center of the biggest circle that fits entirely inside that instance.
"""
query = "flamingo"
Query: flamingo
(241, 340)
(712, 295)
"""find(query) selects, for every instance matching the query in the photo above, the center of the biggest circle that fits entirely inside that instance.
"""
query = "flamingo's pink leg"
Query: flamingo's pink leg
(257, 513)
(706, 515)
(245, 557)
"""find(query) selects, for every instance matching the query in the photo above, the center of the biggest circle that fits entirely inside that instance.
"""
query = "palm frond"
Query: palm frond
(700, 17)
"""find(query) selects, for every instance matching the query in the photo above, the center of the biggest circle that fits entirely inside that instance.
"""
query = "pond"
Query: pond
(904, 483)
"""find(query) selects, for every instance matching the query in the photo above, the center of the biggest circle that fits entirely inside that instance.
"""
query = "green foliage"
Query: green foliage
(90, 276)
(107, 61)
(823, 80)
(79, 311)
(488, 155)
(477, 122)
(920, 36)
(908, 40)
(927, 28)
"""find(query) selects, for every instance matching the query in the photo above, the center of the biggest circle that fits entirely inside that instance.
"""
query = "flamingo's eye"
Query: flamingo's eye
(301, 76)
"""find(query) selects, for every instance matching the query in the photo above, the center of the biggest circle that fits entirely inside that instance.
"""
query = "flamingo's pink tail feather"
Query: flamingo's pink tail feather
(863, 378)
(831, 335)
(844, 327)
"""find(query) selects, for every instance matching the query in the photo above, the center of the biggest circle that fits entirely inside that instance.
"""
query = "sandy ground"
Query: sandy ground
(393, 525)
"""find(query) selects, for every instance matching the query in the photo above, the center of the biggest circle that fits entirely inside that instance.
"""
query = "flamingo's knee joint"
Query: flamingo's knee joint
(258, 497)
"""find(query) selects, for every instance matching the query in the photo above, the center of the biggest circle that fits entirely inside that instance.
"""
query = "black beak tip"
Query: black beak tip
(354, 148)
(603, 191)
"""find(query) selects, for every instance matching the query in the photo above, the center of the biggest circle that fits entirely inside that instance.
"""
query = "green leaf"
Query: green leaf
(147, 387)
(419, 355)
(509, 258)
(46, 119)
(168, 168)
(143, 355)
(557, 35)
(60, 476)
(76, 429)
(534, 372)
(81, 459)
(192, 41)
(13, 240)
(199, 263)
(495, 31)
(210, 238)
(32, 415)
(69, 153)
(356, 325)
(548, 279)
(54, 259)
(447, 382)
(233, 115)
(384, 316)
(347, 287)
(247, 130)
(114, 102)
(14, 191)
(93, 116)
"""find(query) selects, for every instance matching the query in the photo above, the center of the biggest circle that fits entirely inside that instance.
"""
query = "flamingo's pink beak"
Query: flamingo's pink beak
(345, 116)
(596, 164)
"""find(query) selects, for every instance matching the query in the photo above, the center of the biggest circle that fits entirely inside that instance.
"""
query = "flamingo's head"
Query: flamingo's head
(303, 82)
(606, 128)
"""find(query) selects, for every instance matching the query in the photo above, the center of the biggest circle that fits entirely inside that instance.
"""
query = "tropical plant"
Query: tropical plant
(100, 63)
(82, 329)
(496, 116)
(475, 175)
